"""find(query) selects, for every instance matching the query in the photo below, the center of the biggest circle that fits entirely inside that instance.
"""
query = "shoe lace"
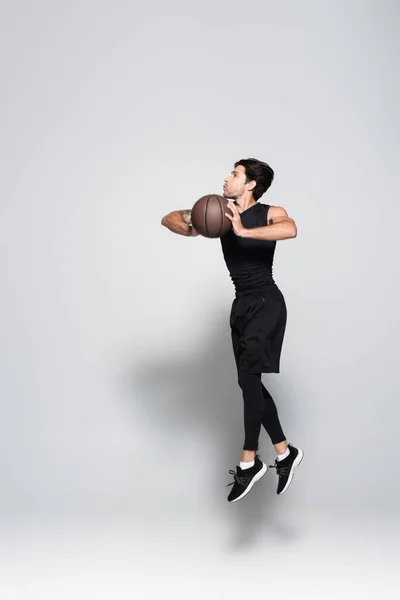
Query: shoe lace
(282, 470)
(240, 480)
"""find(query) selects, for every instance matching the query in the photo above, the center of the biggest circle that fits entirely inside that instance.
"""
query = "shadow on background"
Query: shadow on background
(198, 395)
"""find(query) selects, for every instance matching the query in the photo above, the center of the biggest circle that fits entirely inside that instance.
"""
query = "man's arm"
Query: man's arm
(280, 227)
(180, 222)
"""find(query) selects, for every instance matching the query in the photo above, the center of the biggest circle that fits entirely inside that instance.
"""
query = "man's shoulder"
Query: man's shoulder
(263, 205)
(276, 211)
(272, 212)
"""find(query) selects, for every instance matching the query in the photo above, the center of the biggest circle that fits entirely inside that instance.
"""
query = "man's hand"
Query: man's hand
(237, 226)
(187, 217)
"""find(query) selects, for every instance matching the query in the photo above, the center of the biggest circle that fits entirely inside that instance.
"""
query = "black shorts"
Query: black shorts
(258, 323)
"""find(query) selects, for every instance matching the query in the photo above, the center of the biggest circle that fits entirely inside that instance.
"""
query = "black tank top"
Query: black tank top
(250, 261)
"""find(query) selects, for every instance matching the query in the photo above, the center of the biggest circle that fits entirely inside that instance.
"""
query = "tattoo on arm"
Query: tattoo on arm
(180, 221)
(186, 215)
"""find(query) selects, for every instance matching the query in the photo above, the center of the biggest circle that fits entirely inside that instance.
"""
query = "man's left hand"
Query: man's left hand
(237, 226)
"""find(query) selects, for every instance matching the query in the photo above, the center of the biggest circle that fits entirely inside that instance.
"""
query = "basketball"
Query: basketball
(208, 216)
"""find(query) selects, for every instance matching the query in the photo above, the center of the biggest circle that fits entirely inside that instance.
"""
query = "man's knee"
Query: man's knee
(246, 379)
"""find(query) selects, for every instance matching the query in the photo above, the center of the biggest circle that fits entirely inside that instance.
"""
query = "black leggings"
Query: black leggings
(259, 408)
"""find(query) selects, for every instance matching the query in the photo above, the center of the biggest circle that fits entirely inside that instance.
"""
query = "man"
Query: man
(258, 314)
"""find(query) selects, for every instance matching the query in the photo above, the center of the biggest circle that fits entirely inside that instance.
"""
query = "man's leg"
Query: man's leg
(288, 457)
(251, 467)
(272, 424)
(259, 408)
(254, 404)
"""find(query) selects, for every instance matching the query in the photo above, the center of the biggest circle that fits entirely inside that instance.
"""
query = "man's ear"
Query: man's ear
(252, 185)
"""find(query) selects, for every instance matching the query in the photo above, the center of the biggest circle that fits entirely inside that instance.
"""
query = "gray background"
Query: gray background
(120, 410)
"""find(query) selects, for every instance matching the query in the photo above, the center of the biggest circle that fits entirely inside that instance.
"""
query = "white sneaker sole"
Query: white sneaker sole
(256, 477)
(295, 464)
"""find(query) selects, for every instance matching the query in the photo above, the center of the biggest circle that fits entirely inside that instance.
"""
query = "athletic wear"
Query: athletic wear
(245, 479)
(249, 261)
(259, 408)
(258, 313)
(258, 323)
(285, 468)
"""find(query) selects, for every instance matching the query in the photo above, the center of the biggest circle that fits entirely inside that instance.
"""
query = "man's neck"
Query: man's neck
(243, 204)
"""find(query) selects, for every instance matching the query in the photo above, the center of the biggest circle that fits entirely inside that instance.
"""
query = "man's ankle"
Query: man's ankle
(248, 456)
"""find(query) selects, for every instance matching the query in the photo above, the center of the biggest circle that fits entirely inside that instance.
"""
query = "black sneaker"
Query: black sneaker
(244, 479)
(285, 468)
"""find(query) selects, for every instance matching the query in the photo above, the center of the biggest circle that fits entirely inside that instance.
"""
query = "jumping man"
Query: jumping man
(258, 314)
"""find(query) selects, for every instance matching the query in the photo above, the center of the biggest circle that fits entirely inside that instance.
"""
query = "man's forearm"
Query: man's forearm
(179, 222)
(179, 228)
(282, 230)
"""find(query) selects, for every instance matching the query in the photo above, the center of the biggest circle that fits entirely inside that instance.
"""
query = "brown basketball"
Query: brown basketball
(208, 216)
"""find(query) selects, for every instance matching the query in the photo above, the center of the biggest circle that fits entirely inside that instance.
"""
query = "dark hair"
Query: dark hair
(258, 171)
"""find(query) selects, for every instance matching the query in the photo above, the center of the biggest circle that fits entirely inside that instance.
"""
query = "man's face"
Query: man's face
(235, 183)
